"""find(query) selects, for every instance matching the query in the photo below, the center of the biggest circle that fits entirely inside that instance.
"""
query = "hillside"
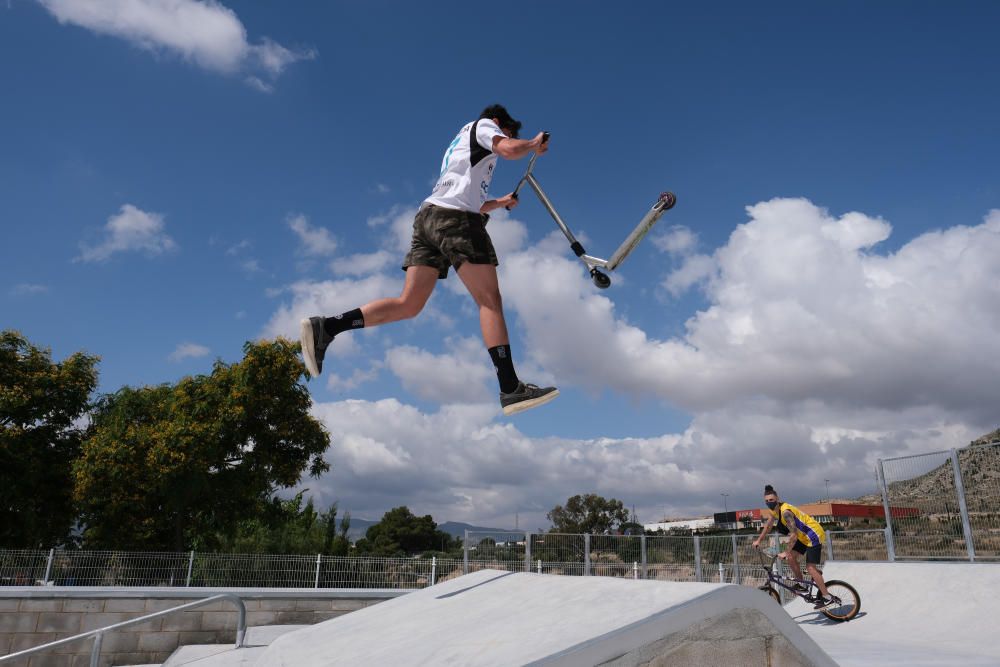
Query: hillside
(980, 474)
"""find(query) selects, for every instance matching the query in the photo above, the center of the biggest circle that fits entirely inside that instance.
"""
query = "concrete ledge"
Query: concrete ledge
(34, 615)
(43, 592)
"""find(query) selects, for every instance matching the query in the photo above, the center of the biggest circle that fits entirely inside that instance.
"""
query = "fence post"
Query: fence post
(970, 547)
(319, 561)
(890, 545)
(829, 545)
(586, 554)
(642, 544)
(736, 561)
(434, 565)
(190, 568)
(697, 558)
(527, 552)
(465, 553)
(48, 568)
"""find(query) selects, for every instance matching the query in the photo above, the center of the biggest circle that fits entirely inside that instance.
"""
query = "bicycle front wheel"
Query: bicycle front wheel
(847, 602)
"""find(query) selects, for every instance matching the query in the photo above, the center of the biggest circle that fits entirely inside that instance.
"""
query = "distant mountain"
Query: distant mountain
(454, 528)
(457, 528)
(358, 528)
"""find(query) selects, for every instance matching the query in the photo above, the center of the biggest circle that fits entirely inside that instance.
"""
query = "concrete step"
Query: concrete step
(257, 639)
(214, 655)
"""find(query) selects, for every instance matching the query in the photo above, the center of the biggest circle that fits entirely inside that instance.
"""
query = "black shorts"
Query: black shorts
(445, 237)
(813, 553)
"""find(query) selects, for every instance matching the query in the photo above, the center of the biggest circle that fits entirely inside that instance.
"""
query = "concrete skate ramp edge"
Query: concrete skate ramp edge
(499, 618)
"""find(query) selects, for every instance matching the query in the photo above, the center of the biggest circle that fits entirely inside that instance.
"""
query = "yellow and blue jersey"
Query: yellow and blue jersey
(808, 530)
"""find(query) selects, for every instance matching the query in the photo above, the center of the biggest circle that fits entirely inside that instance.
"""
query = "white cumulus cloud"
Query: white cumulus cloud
(314, 241)
(132, 229)
(815, 354)
(204, 32)
(188, 351)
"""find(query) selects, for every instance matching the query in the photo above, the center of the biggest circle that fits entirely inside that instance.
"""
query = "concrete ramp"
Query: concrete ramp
(503, 619)
(913, 614)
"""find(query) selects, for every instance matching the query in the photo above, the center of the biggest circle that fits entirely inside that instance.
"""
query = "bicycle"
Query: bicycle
(846, 602)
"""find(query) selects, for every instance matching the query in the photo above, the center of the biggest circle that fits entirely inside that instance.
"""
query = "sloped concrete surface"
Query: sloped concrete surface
(493, 618)
(913, 614)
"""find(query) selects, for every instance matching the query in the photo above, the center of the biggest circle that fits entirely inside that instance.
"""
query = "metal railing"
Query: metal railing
(98, 634)
(857, 545)
(726, 557)
(57, 567)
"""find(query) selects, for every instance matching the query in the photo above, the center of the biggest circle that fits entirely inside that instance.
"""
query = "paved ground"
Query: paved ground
(914, 614)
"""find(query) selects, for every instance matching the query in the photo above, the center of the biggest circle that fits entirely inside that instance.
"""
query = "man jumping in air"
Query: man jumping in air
(450, 230)
(805, 537)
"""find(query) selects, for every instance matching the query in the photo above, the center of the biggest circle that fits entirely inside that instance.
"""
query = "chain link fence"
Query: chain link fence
(726, 558)
(943, 505)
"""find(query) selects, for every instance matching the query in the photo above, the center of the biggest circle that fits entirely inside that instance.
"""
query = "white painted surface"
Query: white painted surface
(914, 614)
(493, 618)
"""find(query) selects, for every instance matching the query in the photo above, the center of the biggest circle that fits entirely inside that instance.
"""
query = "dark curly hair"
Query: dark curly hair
(768, 490)
(501, 114)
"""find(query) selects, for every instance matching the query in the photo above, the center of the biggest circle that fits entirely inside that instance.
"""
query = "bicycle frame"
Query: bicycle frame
(788, 583)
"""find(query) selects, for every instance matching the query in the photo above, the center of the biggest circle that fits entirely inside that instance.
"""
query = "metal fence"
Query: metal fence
(709, 558)
(943, 505)
(728, 558)
(191, 569)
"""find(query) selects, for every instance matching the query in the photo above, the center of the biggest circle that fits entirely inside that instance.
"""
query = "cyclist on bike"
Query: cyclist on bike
(805, 537)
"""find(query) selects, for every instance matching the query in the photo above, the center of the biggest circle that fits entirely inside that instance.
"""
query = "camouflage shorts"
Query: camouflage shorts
(445, 237)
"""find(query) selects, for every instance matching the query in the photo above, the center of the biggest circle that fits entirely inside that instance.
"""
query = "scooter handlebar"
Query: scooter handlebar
(545, 140)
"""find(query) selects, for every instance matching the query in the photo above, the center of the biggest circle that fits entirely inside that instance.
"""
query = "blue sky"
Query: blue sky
(177, 177)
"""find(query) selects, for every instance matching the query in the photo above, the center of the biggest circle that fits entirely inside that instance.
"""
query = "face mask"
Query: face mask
(771, 504)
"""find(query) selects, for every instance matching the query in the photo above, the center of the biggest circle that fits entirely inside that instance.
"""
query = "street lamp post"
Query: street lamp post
(827, 488)
(725, 505)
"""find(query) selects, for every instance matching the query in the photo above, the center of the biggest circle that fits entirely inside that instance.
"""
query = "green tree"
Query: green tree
(41, 403)
(399, 532)
(286, 527)
(589, 513)
(336, 543)
(170, 466)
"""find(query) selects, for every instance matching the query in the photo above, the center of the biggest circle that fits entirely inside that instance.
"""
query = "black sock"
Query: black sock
(505, 368)
(352, 319)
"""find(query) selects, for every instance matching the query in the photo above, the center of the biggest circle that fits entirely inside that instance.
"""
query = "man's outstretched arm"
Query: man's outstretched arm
(515, 149)
(508, 201)
(764, 531)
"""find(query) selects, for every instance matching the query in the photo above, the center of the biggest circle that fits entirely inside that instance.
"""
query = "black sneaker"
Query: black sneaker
(315, 340)
(822, 602)
(525, 397)
(800, 588)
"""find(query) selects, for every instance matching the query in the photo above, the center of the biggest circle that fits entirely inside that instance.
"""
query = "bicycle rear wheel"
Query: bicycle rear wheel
(847, 602)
